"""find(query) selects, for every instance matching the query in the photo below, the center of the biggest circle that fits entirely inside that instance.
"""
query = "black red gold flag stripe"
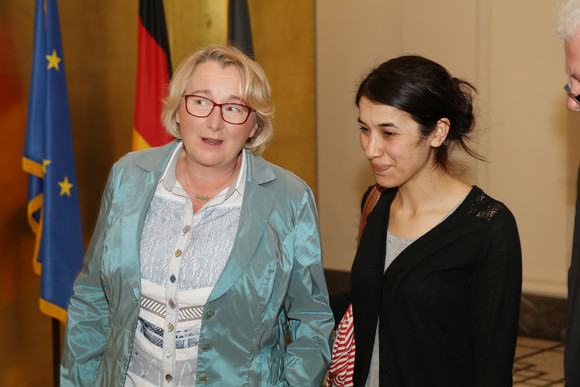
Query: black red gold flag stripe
(153, 73)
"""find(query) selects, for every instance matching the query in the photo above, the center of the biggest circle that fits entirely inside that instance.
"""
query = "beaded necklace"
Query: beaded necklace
(199, 197)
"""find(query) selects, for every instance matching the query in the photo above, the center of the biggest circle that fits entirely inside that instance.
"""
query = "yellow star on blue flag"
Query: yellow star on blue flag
(53, 61)
(65, 187)
(53, 202)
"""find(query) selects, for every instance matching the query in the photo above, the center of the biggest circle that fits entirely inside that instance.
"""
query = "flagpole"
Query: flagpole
(56, 351)
(239, 26)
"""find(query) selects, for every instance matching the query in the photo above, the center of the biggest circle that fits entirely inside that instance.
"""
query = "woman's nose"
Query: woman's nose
(372, 147)
(215, 119)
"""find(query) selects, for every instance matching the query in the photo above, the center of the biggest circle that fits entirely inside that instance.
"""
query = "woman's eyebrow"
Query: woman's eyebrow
(383, 125)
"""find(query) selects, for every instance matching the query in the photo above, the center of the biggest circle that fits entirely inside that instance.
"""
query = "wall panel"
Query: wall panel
(510, 52)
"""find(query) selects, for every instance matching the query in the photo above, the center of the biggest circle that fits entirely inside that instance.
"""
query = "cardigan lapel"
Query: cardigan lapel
(373, 240)
(369, 267)
(432, 241)
(374, 234)
(366, 283)
(256, 208)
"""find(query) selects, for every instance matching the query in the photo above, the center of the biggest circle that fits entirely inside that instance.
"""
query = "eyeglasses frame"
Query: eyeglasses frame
(575, 97)
(219, 105)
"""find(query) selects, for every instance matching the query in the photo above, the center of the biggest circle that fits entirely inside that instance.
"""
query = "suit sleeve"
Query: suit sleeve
(309, 314)
(86, 328)
(572, 347)
(496, 298)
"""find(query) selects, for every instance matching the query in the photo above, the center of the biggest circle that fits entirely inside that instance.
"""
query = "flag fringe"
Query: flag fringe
(32, 167)
(34, 205)
(52, 310)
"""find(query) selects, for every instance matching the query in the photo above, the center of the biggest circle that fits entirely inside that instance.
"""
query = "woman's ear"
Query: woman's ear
(440, 132)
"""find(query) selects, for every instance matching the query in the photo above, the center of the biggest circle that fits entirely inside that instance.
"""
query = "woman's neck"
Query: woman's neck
(206, 181)
(432, 191)
(420, 205)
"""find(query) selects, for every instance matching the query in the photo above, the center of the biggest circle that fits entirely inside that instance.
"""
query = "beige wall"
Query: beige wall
(509, 50)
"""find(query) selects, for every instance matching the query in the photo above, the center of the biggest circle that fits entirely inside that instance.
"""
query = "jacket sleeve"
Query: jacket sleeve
(86, 328)
(307, 307)
(572, 345)
(496, 295)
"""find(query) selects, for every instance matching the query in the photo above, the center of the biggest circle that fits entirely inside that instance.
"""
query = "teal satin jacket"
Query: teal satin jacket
(267, 321)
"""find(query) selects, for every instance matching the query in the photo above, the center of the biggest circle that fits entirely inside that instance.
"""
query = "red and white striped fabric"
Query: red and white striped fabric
(343, 350)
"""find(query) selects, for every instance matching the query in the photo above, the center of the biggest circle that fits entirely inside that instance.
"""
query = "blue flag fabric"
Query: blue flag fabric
(53, 202)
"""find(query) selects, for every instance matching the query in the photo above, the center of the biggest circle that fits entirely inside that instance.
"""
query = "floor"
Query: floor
(538, 363)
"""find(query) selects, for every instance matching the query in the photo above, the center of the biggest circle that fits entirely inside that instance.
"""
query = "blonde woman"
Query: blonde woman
(205, 257)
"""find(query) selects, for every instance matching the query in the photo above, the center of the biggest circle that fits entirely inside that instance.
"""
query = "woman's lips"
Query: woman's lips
(380, 168)
(211, 141)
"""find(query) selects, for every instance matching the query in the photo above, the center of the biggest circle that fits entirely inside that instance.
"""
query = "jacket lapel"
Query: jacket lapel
(256, 208)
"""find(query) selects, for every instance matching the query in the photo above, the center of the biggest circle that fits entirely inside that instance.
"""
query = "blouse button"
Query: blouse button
(205, 347)
(168, 378)
(202, 378)
(170, 327)
(177, 253)
(171, 304)
(186, 229)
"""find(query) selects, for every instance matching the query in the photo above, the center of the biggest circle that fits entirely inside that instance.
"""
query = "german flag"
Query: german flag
(153, 73)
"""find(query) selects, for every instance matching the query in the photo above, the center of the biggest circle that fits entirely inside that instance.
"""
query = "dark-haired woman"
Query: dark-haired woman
(436, 281)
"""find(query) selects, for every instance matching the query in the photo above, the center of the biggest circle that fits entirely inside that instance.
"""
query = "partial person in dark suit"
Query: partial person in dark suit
(569, 31)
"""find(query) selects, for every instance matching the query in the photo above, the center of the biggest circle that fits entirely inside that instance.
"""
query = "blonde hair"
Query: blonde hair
(254, 88)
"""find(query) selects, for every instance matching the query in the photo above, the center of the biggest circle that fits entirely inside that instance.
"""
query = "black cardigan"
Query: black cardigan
(448, 304)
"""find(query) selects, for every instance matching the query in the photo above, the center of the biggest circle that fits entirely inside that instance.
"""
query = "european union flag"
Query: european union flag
(53, 203)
